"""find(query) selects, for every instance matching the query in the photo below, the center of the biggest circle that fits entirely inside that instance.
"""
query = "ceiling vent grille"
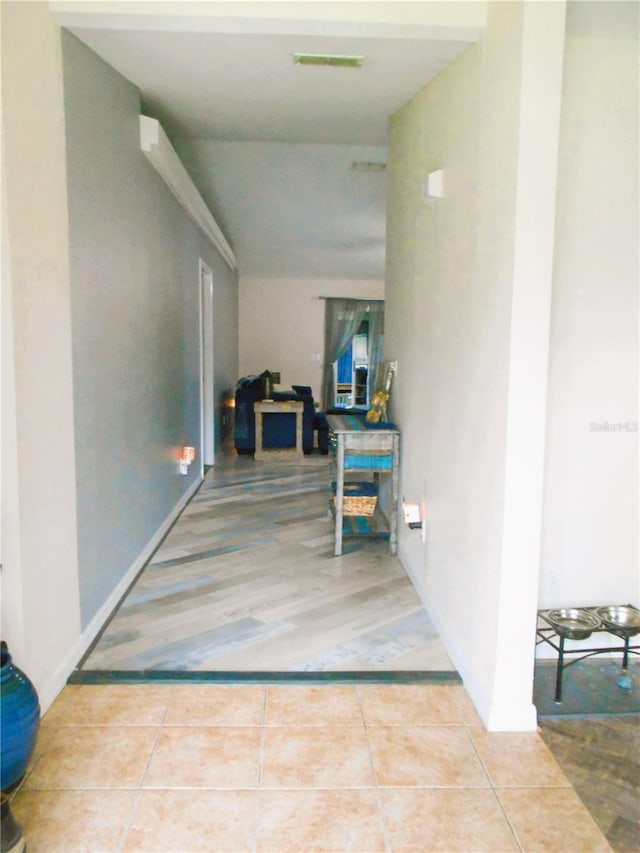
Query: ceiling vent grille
(363, 166)
(333, 60)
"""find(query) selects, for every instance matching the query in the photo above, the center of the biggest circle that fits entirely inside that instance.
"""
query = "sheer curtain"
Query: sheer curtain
(342, 320)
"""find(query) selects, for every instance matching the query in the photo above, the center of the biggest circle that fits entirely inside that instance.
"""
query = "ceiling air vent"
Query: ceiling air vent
(334, 60)
(363, 166)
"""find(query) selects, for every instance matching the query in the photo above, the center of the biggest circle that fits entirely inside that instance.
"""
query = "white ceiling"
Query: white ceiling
(270, 143)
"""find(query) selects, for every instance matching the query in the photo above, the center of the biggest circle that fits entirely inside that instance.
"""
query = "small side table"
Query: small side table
(357, 447)
(291, 407)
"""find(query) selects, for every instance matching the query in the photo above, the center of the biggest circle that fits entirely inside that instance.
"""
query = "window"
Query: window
(353, 348)
(352, 371)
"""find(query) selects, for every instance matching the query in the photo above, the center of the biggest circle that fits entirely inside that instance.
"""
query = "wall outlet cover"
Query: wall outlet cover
(411, 513)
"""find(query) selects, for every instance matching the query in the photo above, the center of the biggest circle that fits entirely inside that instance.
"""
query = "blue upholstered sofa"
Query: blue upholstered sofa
(279, 429)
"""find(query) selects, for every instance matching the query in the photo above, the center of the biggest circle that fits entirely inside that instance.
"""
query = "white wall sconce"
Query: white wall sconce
(187, 455)
(434, 185)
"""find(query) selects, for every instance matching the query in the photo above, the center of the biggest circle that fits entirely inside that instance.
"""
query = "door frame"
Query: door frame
(207, 376)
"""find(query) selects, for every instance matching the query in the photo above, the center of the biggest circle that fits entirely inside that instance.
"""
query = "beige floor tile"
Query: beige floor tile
(408, 756)
(517, 759)
(547, 820)
(46, 734)
(335, 821)
(456, 820)
(408, 705)
(205, 757)
(193, 822)
(314, 757)
(61, 706)
(316, 705)
(94, 757)
(216, 705)
(73, 821)
(111, 705)
(465, 706)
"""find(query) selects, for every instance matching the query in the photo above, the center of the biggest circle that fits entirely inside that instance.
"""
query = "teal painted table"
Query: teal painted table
(357, 448)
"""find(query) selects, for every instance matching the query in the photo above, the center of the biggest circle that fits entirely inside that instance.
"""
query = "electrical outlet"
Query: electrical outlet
(411, 513)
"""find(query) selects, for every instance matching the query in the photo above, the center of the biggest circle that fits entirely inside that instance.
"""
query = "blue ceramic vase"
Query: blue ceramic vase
(19, 721)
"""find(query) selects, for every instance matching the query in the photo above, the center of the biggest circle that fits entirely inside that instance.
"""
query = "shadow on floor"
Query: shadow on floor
(588, 687)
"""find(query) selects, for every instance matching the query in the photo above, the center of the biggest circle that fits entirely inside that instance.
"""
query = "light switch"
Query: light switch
(434, 185)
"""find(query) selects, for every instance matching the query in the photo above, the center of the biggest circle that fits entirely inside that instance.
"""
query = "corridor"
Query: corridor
(246, 580)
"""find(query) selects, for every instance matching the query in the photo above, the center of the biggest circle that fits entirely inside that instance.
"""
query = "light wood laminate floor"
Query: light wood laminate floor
(246, 580)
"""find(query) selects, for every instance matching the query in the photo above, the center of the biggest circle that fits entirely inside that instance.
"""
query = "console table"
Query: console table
(292, 407)
(356, 446)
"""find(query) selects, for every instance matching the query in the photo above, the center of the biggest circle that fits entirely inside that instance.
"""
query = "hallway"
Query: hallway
(246, 585)
(246, 580)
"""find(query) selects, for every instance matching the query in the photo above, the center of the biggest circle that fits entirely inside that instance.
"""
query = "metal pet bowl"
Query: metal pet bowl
(622, 620)
(573, 622)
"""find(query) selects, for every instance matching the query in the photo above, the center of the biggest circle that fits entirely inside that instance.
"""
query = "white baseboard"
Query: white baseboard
(54, 685)
(510, 718)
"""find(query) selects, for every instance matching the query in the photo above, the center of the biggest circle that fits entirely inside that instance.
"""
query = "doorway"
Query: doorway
(207, 397)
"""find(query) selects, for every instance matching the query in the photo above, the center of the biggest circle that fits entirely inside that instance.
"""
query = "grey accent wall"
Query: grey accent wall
(135, 326)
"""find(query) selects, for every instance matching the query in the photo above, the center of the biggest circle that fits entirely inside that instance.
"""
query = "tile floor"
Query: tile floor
(183, 767)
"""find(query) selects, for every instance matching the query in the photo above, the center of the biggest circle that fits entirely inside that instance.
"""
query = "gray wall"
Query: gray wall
(135, 326)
